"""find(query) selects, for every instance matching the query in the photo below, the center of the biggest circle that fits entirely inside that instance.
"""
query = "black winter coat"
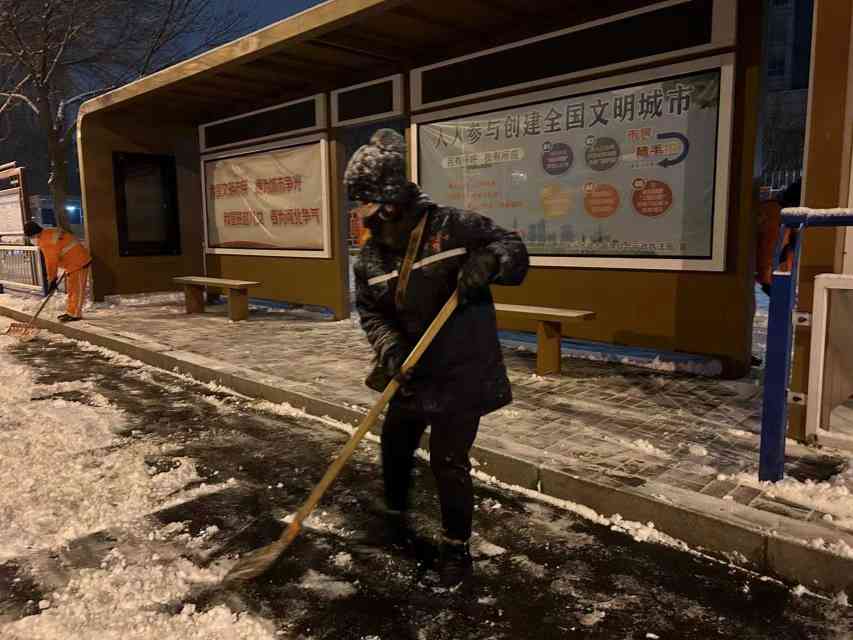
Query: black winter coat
(463, 369)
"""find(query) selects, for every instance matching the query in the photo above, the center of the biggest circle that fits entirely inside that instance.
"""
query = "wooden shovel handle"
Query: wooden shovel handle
(44, 302)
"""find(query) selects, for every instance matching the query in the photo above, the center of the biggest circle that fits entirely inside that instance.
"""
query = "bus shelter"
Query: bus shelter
(618, 138)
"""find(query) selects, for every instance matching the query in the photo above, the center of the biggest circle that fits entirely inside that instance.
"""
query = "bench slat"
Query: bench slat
(546, 313)
(216, 282)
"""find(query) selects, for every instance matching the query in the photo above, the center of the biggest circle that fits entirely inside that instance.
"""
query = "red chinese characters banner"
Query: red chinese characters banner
(272, 199)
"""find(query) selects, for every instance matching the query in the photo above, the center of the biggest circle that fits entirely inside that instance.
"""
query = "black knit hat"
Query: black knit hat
(377, 171)
(32, 229)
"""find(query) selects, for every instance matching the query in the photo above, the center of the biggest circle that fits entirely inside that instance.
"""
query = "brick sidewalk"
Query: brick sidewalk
(620, 426)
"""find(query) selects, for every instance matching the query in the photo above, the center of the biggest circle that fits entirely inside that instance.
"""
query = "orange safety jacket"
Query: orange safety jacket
(61, 249)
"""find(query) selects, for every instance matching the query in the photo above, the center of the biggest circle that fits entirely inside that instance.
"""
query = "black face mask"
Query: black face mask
(391, 227)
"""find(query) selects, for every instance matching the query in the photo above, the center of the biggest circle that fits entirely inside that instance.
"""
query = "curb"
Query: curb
(723, 529)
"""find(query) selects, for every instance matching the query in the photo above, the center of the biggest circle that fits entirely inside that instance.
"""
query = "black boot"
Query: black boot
(398, 530)
(389, 528)
(456, 566)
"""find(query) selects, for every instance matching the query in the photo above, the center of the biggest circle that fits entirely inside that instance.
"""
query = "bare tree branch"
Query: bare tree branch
(54, 54)
(20, 97)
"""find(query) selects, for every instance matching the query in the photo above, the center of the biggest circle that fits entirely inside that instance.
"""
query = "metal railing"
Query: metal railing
(21, 267)
(779, 179)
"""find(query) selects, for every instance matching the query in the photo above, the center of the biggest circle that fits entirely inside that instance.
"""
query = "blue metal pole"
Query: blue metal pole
(780, 339)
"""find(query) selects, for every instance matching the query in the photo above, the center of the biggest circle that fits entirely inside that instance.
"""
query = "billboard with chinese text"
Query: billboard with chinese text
(11, 215)
(267, 199)
(627, 172)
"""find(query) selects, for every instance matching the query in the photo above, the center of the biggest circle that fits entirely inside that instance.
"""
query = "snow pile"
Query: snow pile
(839, 547)
(708, 368)
(482, 548)
(342, 560)
(65, 481)
(327, 587)
(647, 447)
(323, 522)
(125, 600)
(644, 532)
(833, 497)
(140, 300)
(696, 450)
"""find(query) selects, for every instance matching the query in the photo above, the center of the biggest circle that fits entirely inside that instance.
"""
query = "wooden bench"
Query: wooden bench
(238, 294)
(548, 331)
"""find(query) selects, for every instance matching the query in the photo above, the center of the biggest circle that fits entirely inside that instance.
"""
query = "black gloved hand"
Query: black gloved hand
(476, 274)
(392, 362)
(52, 286)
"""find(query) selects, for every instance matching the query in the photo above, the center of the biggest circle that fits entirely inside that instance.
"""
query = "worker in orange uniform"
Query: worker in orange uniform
(61, 249)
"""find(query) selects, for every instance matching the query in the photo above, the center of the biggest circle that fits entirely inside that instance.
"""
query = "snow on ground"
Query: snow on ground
(124, 600)
(833, 497)
(64, 477)
(61, 480)
(326, 586)
(696, 450)
(646, 447)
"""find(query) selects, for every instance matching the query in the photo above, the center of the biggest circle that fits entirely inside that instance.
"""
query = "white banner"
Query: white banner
(627, 172)
(11, 213)
(271, 199)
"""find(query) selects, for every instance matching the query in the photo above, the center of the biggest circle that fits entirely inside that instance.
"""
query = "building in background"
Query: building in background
(41, 210)
(787, 53)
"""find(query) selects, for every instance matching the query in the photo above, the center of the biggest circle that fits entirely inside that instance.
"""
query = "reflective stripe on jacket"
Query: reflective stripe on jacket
(463, 369)
(61, 249)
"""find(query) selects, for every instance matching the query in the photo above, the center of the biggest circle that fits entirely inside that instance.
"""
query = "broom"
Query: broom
(25, 331)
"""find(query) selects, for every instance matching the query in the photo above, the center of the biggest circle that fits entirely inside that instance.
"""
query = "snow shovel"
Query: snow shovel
(25, 331)
(257, 562)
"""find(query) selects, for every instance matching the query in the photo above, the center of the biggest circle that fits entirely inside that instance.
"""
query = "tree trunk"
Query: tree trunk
(58, 181)
(58, 159)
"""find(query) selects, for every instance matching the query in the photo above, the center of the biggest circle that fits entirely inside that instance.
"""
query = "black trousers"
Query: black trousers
(451, 438)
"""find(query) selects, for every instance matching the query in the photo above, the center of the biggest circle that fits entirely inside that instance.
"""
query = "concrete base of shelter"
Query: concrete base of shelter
(759, 540)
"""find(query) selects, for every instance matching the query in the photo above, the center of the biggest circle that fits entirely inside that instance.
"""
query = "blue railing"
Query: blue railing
(780, 334)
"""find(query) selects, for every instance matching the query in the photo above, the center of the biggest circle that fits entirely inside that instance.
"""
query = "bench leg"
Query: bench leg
(548, 353)
(238, 304)
(194, 298)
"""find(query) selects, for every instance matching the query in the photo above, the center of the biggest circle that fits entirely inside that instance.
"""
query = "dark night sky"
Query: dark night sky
(264, 12)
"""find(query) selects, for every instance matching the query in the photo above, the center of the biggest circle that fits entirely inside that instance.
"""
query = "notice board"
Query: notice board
(268, 200)
(626, 176)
